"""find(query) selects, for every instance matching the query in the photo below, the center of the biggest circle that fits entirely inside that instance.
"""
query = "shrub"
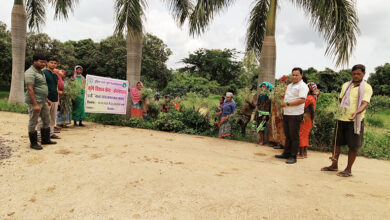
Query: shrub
(171, 121)
(321, 137)
(107, 119)
(375, 121)
(4, 106)
(376, 146)
(195, 120)
(378, 103)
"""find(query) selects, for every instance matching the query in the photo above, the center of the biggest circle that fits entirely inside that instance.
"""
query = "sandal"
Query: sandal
(344, 174)
(328, 169)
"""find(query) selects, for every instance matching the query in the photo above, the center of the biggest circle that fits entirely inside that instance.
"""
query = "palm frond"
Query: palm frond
(257, 26)
(204, 12)
(129, 16)
(337, 21)
(36, 13)
(180, 9)
(62, 7)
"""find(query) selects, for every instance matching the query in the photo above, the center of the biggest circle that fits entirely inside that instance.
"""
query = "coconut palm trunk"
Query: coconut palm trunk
(268, 49)
(18, 33)
(134, 56)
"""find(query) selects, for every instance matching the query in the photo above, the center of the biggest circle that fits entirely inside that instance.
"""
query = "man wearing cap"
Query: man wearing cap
(38, 104)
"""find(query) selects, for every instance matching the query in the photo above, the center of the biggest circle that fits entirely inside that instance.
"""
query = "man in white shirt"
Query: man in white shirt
(293, 107)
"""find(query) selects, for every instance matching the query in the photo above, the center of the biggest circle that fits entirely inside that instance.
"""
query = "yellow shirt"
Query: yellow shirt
(353, 99)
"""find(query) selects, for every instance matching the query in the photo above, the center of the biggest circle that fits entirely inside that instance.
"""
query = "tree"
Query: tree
(328, 80)
(218, 65)
(129, 18)
(155, 53)
(85, 54)
(6, 57)
(336, 20)
(380, 80)
(35, 16)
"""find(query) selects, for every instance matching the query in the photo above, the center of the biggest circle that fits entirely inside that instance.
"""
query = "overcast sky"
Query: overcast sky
(297, 43)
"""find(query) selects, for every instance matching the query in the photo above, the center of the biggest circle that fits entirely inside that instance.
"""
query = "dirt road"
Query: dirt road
(108, 172)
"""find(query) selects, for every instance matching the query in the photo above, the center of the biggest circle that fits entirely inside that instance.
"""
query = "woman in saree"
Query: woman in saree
(276, 132)
(64, 107)
(228, 108)
(78, 110)
(308, 119)
(138, 106)
(263, 109)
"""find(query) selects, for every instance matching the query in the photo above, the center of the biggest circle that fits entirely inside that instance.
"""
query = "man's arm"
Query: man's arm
(31, 94)
(362, 107)
(294, 103)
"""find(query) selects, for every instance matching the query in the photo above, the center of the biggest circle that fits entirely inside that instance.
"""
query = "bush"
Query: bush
(376, 146)
(321, 137)
(375, 121)
(106, 119)
(4, 106)
(378, 103)
(171, 121)
(197, 122)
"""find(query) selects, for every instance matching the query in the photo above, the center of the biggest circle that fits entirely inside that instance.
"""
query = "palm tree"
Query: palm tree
(34, 16)
(336, 20)
(129, 17)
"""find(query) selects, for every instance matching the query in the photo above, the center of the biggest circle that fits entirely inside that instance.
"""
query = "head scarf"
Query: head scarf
(267, 84)
(285, 78)
(135, 95)
(229, 94)
(314, 90)
(263, 96)
(75, 68)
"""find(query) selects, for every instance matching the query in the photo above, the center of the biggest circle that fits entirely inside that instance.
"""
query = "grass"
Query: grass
(4, 94)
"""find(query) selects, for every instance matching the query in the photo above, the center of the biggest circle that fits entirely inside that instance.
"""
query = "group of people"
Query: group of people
(49, 107)
(139, 102)
(289, 116)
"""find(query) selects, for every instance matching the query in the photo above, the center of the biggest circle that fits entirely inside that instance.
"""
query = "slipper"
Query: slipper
(344, 174)
(328, 169)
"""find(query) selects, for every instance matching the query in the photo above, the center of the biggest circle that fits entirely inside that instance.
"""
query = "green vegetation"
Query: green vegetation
(198, 117)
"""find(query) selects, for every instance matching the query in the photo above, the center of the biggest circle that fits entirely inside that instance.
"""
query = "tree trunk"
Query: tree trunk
(268, 50)
(268, 60)
(18, 33)
(134, 56)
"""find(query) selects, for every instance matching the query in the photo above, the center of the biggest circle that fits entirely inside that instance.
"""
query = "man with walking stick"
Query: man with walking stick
(354, 98)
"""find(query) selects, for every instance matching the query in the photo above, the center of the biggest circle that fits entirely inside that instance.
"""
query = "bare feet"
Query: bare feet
(300, 157)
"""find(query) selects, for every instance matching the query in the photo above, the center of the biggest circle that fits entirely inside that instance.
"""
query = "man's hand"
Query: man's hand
(49, 102)
(283, 105)
(353, 116)
(36, 108)
(264, 117)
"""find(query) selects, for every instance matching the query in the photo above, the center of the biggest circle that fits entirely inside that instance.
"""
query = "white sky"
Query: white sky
(297, 43)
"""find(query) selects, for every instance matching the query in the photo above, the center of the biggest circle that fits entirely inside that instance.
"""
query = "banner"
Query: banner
(105, 95)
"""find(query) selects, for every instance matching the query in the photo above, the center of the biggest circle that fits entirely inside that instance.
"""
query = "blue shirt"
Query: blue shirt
(228, 108)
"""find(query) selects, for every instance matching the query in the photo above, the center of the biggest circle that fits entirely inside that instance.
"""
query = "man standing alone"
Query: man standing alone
(36, 98)
(354, 98)
(293, 107)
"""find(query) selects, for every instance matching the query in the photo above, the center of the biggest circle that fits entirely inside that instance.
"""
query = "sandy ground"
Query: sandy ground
(108, 172)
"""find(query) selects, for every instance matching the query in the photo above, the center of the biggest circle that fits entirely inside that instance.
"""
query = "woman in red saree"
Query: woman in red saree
(308, 119)
(138, 105)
